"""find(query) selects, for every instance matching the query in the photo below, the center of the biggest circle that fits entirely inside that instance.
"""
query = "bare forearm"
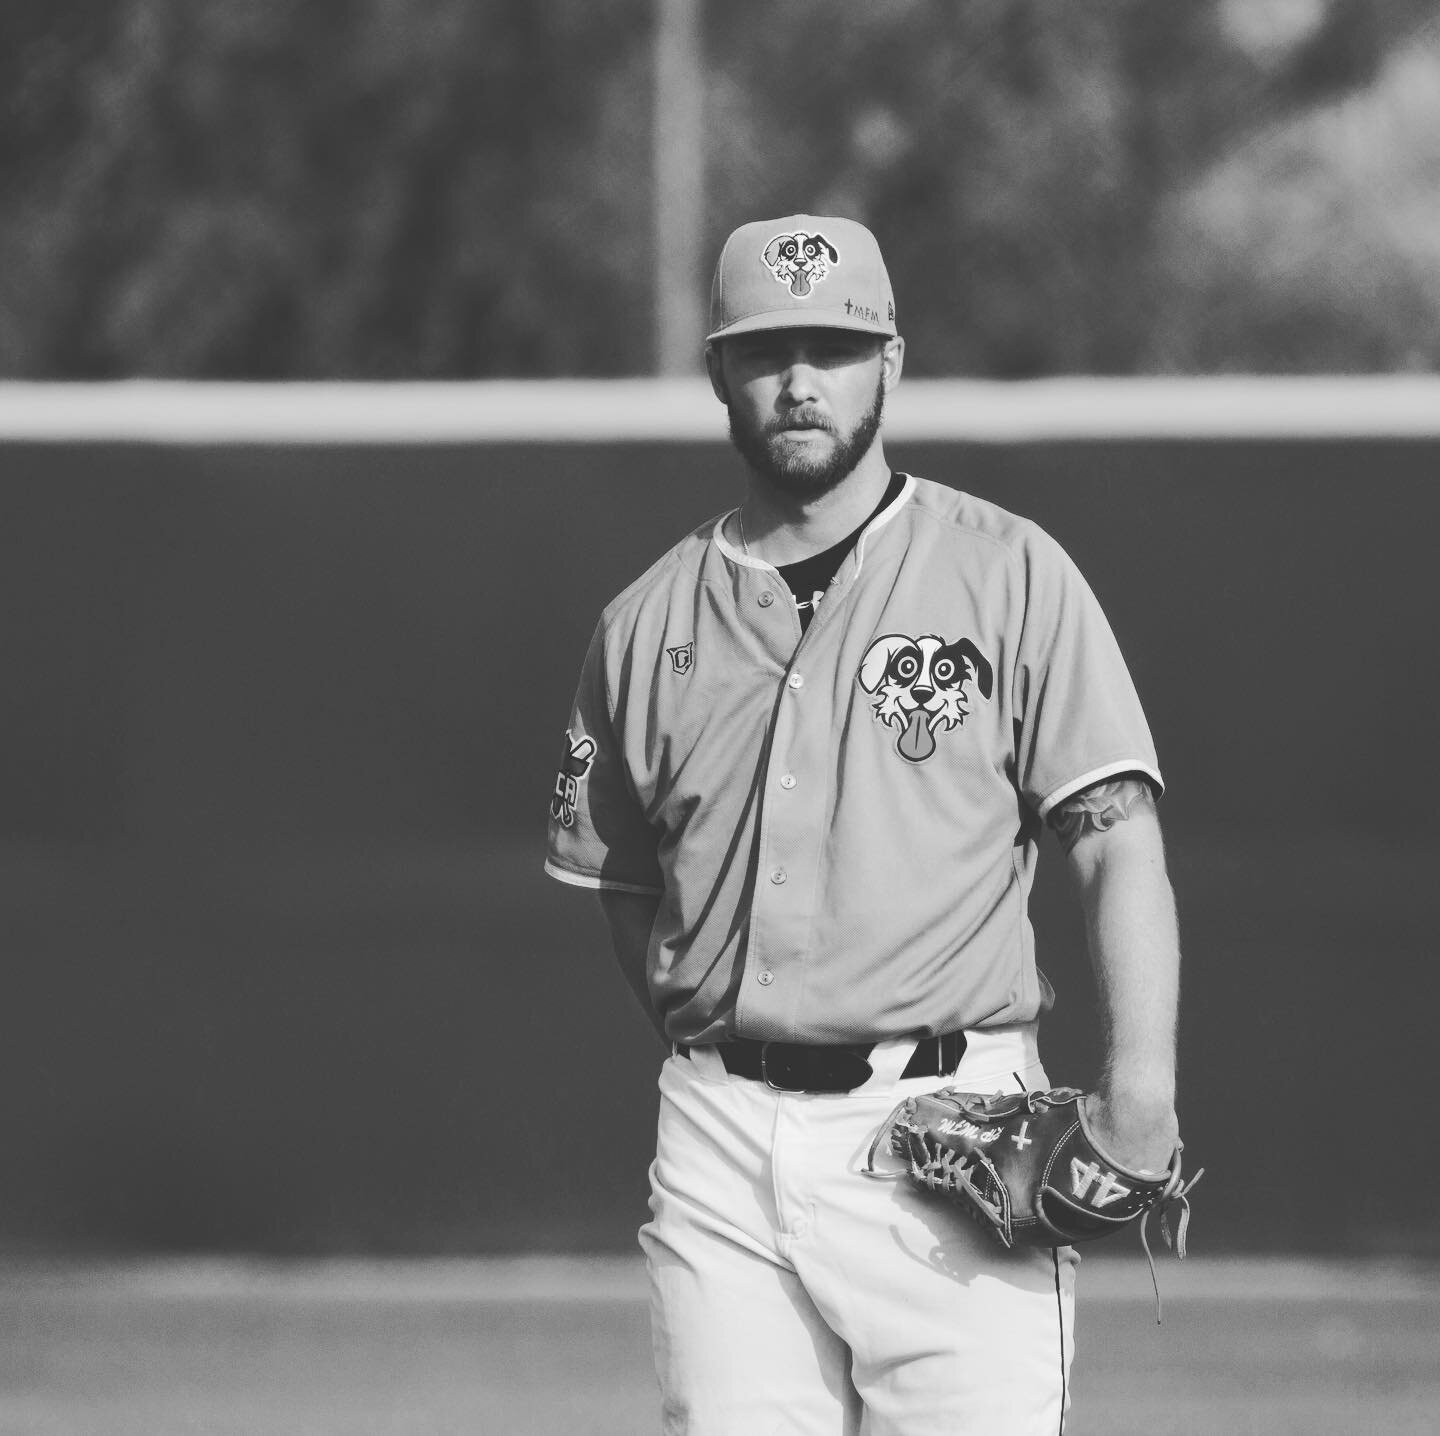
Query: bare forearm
(1135, 950)
(1117, 855)
(631, 919)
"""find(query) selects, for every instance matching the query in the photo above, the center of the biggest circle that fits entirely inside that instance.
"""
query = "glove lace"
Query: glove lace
(1179, 1197)
(885, 1134)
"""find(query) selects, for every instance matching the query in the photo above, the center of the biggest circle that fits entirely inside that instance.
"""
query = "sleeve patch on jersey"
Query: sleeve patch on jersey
(921, 687)
(574, 765)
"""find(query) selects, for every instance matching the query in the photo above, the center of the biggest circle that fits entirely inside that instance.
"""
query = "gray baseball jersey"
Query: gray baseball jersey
(842, 826)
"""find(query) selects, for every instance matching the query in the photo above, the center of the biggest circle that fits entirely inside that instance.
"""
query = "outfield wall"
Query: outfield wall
(284, 713)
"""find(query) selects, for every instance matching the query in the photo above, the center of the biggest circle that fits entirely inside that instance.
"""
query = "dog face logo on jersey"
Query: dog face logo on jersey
(682, 657)
(800, 260)
(921, 687)
(574, 765)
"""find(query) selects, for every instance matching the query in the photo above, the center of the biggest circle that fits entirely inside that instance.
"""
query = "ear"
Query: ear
(892, 362)
(829, 248)
(772, 250)
(715, 367)
(877, 659)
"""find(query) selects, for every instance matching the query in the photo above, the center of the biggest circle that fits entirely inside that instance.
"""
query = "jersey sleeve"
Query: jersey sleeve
(598, 836)
(1078, 716)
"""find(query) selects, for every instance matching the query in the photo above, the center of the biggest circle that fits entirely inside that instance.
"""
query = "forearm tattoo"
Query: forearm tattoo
(1098, 808)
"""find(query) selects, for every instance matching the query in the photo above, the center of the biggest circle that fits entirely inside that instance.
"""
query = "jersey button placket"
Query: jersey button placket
(781, 911)
(788, 844)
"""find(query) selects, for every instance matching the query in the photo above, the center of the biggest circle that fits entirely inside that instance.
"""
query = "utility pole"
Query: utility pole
(678, 149)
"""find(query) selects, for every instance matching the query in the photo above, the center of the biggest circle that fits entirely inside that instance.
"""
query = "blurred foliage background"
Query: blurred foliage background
(270, 189)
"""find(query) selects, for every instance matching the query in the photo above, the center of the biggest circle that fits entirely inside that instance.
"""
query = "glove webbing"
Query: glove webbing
(951, 1171)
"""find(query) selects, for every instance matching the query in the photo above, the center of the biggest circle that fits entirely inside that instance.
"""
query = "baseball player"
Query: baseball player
(806, 771)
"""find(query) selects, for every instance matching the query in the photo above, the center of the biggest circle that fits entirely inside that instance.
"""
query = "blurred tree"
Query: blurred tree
(446, 188)
(1011, 156)
(268, 188)
(1023, 162)
(1317, 247)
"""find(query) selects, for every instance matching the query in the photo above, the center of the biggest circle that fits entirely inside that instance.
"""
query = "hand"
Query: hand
(1139, 1130)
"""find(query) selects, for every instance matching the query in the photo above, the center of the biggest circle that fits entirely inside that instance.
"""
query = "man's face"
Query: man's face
(804, 404)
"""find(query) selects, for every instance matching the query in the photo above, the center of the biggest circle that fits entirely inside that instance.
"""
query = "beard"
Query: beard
(807, 471)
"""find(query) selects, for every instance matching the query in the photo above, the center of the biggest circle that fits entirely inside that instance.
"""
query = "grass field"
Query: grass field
(559, 1347)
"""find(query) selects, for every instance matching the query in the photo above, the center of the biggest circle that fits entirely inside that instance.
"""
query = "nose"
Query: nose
(921, 694)
(799, 386)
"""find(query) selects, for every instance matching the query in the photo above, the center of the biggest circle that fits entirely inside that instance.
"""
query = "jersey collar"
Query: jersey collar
(883, 518)
(736, 555)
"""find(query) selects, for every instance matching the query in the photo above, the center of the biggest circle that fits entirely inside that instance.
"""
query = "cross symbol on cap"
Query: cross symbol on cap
(1020, 1139)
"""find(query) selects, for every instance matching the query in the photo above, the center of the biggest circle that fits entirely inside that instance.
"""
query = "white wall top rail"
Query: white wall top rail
(684, 410)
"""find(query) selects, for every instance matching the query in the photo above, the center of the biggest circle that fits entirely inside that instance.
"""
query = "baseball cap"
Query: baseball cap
(802, 271)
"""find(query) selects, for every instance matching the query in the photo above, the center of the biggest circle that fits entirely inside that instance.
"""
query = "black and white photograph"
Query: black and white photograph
(719, 717)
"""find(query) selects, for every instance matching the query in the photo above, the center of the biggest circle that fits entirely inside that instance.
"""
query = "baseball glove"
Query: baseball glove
(1027, 1168)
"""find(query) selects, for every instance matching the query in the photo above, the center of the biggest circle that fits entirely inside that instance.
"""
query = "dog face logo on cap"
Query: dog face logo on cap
(800, 260)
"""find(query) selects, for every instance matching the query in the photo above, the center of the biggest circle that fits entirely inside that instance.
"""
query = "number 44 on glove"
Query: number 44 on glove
(1027, 1168)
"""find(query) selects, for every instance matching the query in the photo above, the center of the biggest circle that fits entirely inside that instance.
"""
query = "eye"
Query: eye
(907, 666)
(788, 249)
(760, 350)
(944, 670)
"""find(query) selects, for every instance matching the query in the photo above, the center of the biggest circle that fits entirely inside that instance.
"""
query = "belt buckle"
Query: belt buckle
(784, 1070)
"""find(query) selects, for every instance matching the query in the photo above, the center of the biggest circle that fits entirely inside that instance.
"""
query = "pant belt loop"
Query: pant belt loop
(889, 1059)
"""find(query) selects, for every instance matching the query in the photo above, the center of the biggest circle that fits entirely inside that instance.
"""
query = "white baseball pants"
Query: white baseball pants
(792, 1294)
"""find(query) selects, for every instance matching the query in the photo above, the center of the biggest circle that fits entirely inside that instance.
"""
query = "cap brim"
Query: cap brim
(790, 318)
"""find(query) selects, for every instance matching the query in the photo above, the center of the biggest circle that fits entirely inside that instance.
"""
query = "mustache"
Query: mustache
(799, 419)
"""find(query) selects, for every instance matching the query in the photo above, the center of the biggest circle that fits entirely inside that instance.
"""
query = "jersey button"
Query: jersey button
(788, 780)
(766, 599)
(778, 876)
(796, 680)
(765, 978)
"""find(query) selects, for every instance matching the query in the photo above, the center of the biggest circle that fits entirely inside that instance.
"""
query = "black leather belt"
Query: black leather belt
(796, 1067)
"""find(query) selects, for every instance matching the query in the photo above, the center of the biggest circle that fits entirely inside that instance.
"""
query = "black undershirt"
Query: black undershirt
(810, 577)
